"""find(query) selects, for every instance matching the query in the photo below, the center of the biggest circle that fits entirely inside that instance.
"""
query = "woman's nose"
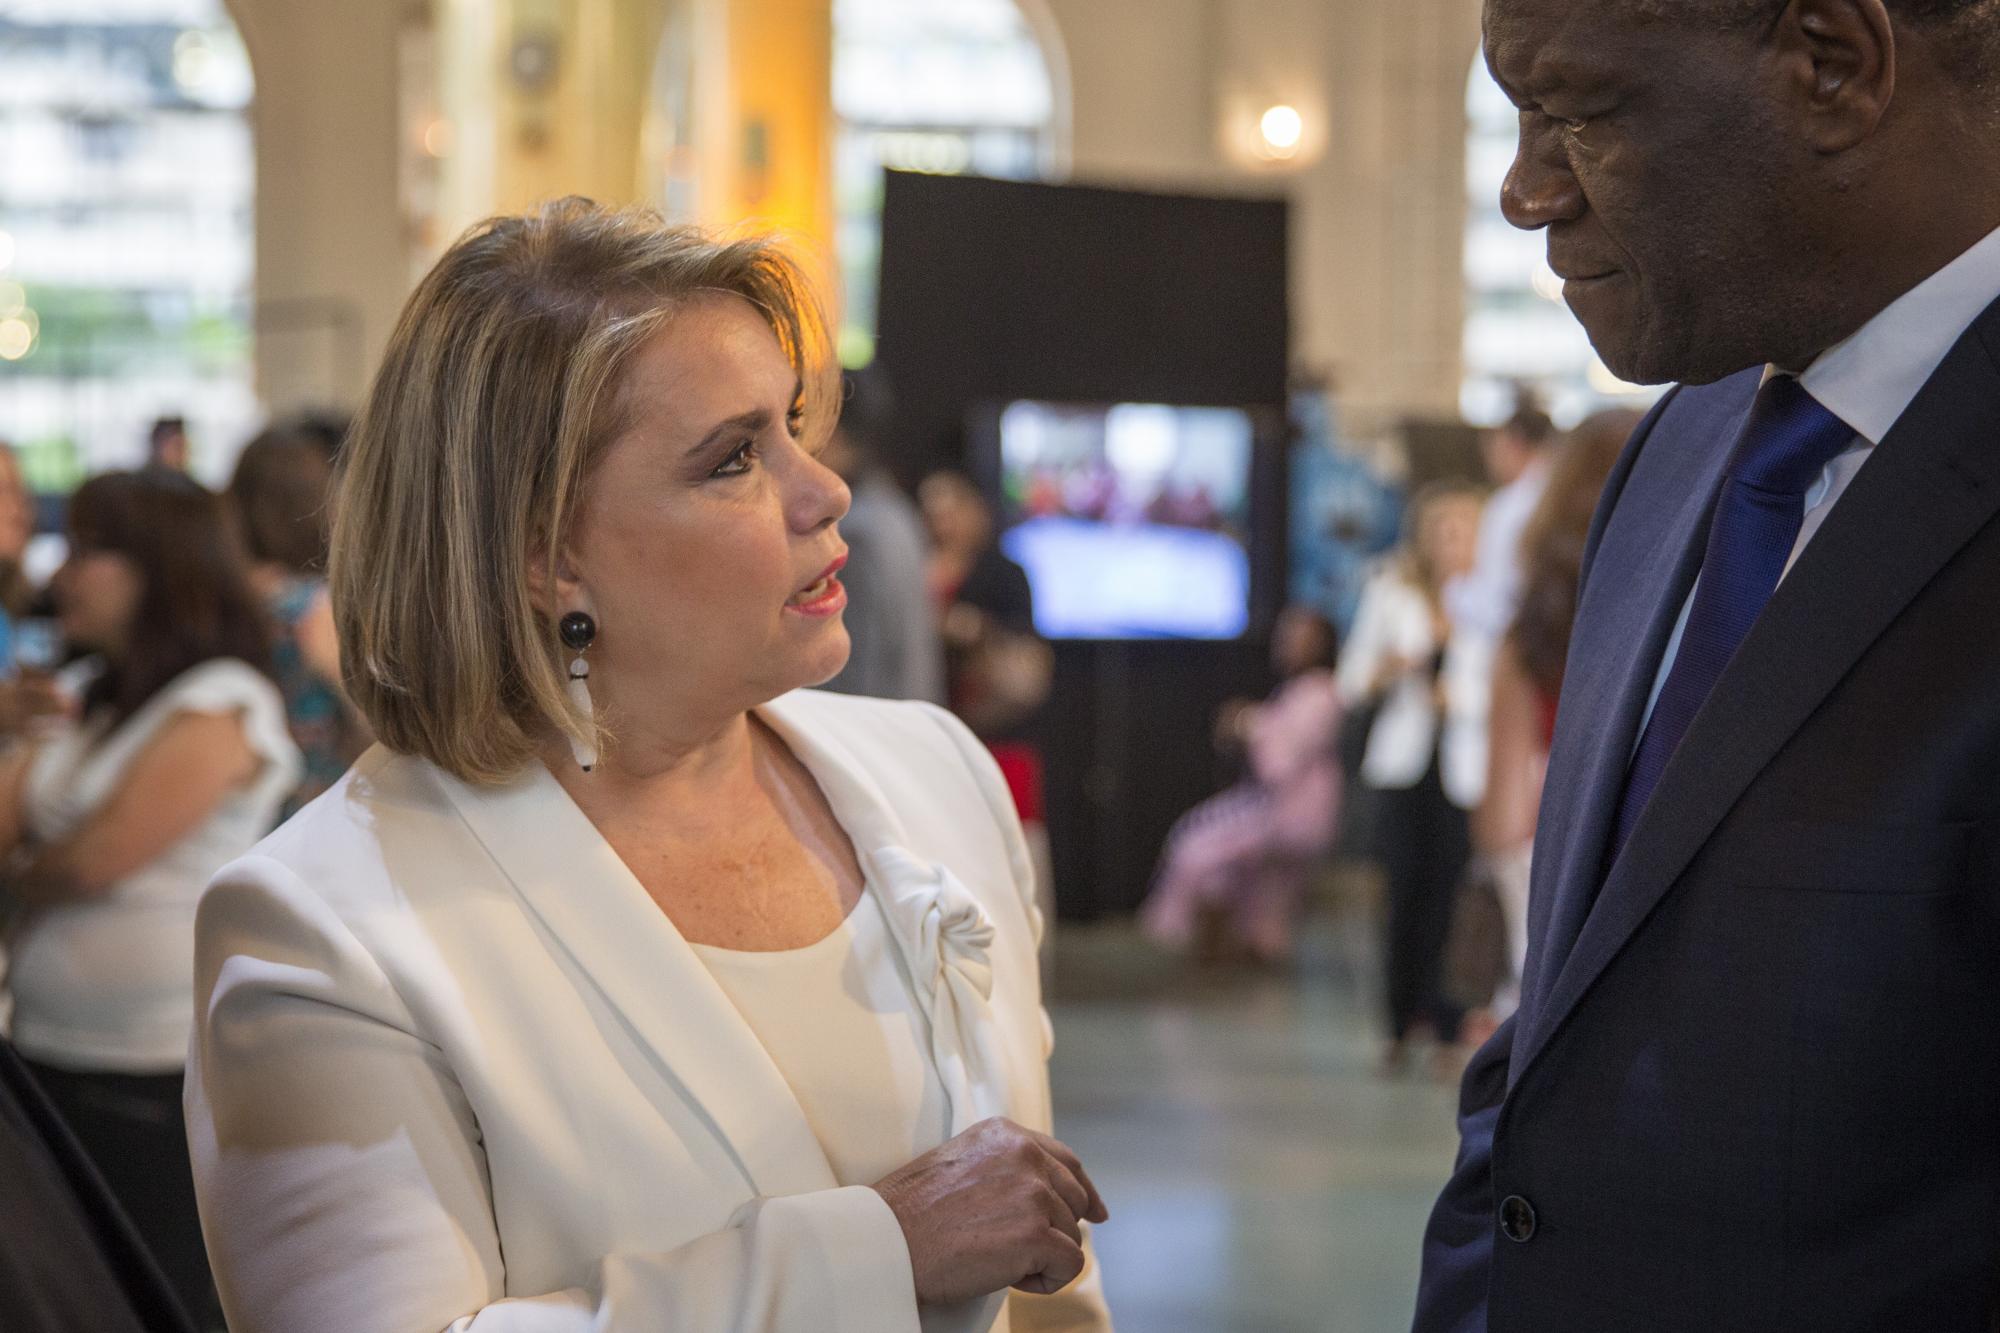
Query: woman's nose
(819, 496)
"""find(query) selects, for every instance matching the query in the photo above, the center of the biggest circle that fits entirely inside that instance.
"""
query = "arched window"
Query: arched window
(125, 232)
(931, 85)
(1518, 332)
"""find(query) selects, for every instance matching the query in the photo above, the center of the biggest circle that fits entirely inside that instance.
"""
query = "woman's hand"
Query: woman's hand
(996, 1207)
(28, 699)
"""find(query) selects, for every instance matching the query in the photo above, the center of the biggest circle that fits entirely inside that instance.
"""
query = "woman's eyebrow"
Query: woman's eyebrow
(756, 419)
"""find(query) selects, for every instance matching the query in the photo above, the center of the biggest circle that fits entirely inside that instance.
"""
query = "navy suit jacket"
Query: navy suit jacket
(1754, 1082)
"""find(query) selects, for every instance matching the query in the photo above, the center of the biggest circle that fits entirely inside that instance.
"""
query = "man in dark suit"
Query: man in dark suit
(69, 1261)
(1754, 1082)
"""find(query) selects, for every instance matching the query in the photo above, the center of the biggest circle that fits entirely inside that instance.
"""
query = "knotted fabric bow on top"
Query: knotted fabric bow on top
(946, 940)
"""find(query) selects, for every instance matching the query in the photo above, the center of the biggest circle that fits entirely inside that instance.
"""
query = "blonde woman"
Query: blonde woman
(624, 985)
(1393, 663)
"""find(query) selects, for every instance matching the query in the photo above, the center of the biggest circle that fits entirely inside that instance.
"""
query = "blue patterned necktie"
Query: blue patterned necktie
(1785, 445)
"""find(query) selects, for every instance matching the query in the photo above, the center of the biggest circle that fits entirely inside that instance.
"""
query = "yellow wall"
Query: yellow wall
(780, 63)
(763, 107)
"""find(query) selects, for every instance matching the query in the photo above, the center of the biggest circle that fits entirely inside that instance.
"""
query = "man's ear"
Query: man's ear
(1844, 64)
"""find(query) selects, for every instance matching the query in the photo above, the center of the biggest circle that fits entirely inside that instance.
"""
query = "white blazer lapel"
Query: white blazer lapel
(943, 932)
(596, 911)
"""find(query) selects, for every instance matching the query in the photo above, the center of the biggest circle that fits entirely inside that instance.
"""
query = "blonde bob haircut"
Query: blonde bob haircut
(500, 387)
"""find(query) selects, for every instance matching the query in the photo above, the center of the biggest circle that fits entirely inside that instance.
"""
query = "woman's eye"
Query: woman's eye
(738, 462)
(795, 420)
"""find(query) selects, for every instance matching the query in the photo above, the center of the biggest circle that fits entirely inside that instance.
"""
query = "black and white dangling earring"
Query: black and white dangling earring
(578, 632)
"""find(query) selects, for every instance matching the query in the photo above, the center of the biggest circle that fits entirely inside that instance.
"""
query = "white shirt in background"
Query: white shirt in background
(1484, 601)
(1482, 605)
(108, 984)
(1394, 623)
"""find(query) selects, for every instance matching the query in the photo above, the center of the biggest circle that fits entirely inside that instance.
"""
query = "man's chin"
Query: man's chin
(1644, 362)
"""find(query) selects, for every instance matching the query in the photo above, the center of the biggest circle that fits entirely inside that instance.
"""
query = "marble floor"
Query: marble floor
(1262, 1177)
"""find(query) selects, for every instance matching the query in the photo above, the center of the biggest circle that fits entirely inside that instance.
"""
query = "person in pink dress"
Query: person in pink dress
(1241, 859)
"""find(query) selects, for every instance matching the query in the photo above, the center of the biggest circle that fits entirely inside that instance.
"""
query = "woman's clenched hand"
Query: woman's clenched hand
(999, 1206)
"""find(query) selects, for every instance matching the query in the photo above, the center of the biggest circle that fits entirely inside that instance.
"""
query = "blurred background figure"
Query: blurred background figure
(326, 430)
(890, 619)
(1528, 677)
(111, 825)
(1235, 868)
(1393, 667)
(1481, 601)
(998, 670)
(17, 525)
(29, 644)
(167, 444)
(280, 493)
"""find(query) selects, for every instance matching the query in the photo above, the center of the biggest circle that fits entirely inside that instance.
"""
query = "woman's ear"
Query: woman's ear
(555, 586)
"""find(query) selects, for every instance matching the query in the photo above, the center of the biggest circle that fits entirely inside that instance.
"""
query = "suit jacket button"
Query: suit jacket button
(1517, 1219)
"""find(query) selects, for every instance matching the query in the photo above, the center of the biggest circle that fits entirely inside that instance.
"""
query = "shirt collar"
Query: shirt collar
(1870, 379)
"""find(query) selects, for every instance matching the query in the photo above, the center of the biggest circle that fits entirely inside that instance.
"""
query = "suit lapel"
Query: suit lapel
(1639, 581)
(598, 913)
(1930, 485)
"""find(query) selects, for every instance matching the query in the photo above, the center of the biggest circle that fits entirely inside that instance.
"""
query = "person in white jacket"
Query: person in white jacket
(625, 985)
(1424, 782)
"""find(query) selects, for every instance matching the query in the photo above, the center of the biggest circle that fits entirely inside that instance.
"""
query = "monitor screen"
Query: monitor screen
(1132, 520)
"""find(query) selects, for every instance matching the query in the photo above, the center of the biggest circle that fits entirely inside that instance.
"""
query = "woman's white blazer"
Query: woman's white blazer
(453, 1069)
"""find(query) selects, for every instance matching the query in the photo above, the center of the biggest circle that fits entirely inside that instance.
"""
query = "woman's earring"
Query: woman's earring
(578, 632)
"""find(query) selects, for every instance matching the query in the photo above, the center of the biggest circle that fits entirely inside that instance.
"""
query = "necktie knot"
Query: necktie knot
(1788, 440)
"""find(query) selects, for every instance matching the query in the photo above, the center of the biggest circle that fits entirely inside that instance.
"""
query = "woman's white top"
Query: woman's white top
(838, 1019)
(454, 1069)
(108, 984)
(841, 1022)
(1395, 620)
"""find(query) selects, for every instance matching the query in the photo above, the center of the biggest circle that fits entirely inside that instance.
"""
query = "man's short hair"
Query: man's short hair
(1968, 33)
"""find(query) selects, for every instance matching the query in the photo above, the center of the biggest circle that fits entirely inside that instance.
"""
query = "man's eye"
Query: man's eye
(739, 460)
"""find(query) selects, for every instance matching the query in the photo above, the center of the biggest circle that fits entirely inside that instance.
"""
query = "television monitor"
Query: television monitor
(1132, 520)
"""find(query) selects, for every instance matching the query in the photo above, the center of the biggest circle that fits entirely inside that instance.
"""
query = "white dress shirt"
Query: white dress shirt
(1870, 380)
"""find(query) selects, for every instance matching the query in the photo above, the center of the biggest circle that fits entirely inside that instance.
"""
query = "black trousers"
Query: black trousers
(132, 1127)
(1425, 842)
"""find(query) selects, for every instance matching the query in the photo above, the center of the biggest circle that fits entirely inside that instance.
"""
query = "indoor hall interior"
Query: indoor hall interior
(1182, 404)
(1267, 1174)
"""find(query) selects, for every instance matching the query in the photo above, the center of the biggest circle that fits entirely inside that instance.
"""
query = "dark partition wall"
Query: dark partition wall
(1000, 290)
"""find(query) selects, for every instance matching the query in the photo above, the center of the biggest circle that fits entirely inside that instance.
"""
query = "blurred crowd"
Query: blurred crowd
(170, 693)
(1415, 742)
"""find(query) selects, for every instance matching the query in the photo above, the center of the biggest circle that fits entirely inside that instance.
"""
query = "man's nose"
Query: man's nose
(1540, 189)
